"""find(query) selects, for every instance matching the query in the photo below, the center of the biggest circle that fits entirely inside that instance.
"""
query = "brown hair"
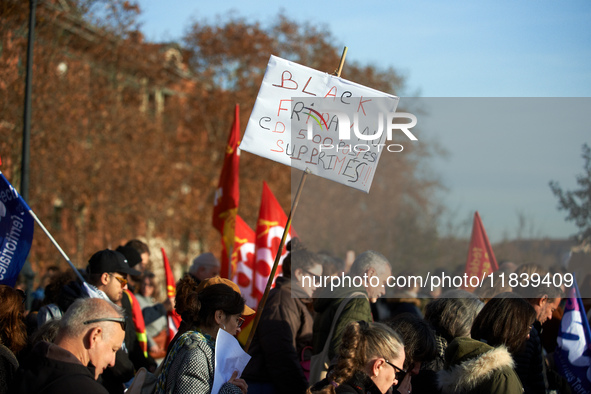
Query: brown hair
(13, 332)
(198, 308)
(138, 245)
(419, 339)
(154, 279)
(504, 320)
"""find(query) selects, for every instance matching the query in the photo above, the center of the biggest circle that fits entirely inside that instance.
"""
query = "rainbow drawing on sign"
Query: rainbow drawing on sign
(315, 118)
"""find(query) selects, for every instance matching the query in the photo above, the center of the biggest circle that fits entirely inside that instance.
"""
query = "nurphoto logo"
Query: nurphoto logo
(356, 125)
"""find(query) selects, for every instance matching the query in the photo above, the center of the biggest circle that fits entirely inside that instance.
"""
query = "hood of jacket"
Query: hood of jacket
(469, 363)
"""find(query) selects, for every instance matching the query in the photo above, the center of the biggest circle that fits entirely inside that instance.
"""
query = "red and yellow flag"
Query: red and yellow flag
(138, 322)
(481, 259)
(270, 225)
(225, 204)
(243, 257)
(173, 318)
(243, 269)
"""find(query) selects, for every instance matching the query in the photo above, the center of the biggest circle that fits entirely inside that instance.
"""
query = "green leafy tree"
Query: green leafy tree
(578, 202)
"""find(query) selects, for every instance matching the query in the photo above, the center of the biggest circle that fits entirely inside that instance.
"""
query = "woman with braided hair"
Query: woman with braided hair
(370, 360)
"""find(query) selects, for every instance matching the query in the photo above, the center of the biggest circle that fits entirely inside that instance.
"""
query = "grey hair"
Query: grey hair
(369, 259)
(85, 309)
(530, 290)
(453, 313)
(203, 260)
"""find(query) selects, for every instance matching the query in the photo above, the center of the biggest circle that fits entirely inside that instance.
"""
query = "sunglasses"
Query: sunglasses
(123, 281)
(240, 322)
(120, 320)
(400, 373)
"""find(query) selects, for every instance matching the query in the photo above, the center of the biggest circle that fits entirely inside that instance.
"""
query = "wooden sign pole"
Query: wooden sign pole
(294, 206)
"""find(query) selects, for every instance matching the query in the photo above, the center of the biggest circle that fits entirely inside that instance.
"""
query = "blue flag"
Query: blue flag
(573, 353)
(16, 232)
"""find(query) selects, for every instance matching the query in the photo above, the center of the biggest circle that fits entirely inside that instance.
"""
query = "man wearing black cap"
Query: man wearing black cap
(107, 275)
(108, 270)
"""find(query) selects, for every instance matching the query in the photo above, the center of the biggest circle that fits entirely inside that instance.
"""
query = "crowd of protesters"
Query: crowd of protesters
(93, 337)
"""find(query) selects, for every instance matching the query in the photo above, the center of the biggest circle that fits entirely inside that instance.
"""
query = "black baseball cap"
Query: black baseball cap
(132, 256)
(110, 261)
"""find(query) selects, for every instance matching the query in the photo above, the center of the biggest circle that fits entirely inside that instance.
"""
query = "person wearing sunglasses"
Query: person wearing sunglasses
(89, 335)
(285, 327)
(107, 273)
(370, 361)
(107, 276)
(189, 366)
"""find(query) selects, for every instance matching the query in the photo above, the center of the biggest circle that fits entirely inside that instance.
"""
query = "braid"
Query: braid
(351, 352)
(360, 343)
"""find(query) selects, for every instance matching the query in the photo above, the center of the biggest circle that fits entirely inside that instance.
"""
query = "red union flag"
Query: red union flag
(243, 270)
(269, 231)
(243, 258)
(174, 319)
(481, 259)
(225, 204)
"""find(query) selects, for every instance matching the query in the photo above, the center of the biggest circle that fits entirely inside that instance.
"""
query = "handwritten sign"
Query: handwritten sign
(316, 122)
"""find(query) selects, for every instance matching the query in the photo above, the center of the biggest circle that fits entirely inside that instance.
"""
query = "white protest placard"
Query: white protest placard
(229, 357)
(320, 123)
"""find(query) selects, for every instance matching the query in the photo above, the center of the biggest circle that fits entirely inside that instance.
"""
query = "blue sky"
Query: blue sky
(462, 49)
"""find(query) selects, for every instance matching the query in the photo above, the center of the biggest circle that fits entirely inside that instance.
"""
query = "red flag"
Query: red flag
(243, 259)
(243, 269)
(138, 322)
(225, 204)
(269, 231)
(481, 259)
(174, 319)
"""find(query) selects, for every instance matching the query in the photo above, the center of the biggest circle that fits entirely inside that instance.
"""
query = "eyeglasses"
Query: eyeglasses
(400, 373)
(240, 322)
(123, 281)
(120, 320)
(315, 278)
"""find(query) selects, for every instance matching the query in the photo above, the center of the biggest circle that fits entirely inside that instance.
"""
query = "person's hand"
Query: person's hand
(405, 386)
(168, 305)
(155, 349)
(238, 382)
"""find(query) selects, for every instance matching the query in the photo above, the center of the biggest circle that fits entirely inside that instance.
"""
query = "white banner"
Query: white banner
(321, 123)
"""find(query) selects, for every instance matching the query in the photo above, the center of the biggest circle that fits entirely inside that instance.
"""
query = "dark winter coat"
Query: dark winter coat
(50, 369)
(426, 381)
(360, 383)
(356, 309)
(529, 363)
(284, 329)
(474, 367)
(8, 366)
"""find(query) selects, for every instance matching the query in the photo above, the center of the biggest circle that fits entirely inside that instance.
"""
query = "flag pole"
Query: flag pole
(294, 205)
(64, 255)
(36, 219)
